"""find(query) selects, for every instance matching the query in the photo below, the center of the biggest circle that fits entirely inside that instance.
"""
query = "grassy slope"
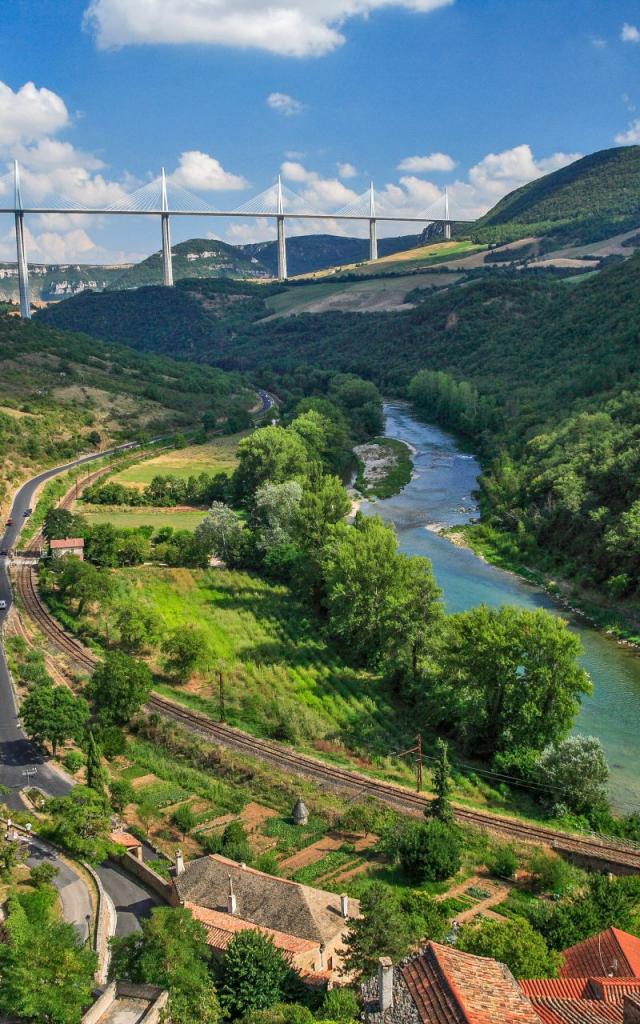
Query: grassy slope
(218, 455)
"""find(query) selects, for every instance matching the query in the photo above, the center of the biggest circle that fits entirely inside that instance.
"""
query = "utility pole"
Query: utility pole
(417, 750)
(373, 234)
(23, 269)
(221, 692)
(282, 241)
(167, 263)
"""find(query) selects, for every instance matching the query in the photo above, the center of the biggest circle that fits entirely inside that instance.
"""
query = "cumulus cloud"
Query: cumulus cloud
(284, 104)
(347, 170)
(630, 33)
(29, 113)
(499, 173)
(632, 135)
(317, 193)
(291, 28)
(198, 170)
(423, 164)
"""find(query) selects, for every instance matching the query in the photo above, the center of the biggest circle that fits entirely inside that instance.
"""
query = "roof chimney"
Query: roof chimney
(232, 902)
(385, 982)
(344, 905)
(179, 863)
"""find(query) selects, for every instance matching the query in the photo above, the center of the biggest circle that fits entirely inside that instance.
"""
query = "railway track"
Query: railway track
(615, 856)
(611, 854)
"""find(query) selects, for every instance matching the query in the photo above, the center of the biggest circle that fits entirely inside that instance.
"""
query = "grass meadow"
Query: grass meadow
(127, 518)
(215, 456)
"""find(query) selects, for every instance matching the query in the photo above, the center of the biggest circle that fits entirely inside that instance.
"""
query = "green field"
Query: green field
(282, 678)
(123, 517)
(216, 456)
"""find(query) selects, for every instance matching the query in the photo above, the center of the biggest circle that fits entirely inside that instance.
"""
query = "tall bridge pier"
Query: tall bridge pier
(373, 231)
(447, 222)
(282, 238)
(23, 268)
(167, 258)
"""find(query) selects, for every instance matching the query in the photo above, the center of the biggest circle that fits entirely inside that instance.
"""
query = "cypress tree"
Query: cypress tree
(95, 772)
(440, 807)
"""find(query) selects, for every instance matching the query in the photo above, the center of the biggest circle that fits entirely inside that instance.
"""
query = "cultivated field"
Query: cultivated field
(214, 457)
(128, 518)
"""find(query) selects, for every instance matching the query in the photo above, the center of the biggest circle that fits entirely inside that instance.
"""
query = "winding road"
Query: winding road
(17, 754)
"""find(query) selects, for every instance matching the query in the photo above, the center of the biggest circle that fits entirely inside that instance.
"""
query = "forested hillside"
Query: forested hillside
(306, 253)
(552, 374)
(196, 258)
(64, 393)
(590, 199)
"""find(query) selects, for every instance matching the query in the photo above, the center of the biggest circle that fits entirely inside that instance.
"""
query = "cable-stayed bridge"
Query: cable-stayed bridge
(165, 199)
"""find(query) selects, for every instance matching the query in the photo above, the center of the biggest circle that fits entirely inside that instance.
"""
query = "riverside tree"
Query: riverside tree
(381, 604)
(509, 679)
(222, 533)
(271, 455)
(576, 773)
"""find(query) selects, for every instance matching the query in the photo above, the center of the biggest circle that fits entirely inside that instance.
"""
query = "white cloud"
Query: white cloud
(201, 171)
(632, 136)
(422, 164)
(630, 33)
(598, 42)
(499, 173)
(347, 170)
(29, 113)
(291, 28)
(317, 193)
(284, 104)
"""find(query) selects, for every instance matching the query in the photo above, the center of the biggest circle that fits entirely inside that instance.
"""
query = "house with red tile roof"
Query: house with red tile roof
(610, 953)
(67, 546)
(443, 985)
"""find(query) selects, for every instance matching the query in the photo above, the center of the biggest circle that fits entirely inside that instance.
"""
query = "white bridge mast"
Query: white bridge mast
(447, 223)
(167, 261)
(373, 233)
(282, 240)
(23, 269)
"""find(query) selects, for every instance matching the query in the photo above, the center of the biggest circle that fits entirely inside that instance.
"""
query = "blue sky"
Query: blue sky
(478, 95)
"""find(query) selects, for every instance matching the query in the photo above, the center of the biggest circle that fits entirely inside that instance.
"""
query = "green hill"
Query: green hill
(197, 258)
(590, 199)
(308, 253)
(63, 393)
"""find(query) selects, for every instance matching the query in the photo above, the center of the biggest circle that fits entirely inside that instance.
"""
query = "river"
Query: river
(442, 483)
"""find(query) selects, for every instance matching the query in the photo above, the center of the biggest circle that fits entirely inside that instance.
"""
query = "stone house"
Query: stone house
(308, 924)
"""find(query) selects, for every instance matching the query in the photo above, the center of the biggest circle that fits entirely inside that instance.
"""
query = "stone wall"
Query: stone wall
(150, 878)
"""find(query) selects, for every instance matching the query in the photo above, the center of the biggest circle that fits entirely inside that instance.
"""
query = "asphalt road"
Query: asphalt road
(17, 754)
(131, 900)
(74, 895)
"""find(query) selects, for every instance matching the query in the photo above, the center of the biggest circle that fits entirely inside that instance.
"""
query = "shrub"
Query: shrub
(121, 793)
(504, 862)
(184, 819)
(73, 761)
(550, 872)
(430, 852)
(514, 943)
(340, 1004)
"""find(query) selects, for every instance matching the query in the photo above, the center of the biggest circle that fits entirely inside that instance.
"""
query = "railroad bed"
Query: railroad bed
(599, 852)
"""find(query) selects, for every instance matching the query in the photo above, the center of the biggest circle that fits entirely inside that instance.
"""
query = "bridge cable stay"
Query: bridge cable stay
(277, 201)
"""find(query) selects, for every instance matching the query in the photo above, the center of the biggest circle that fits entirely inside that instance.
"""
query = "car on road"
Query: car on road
(9, 522)
(3, 604)
(27, 512)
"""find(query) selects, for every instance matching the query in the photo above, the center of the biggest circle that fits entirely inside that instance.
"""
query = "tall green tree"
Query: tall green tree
(185, 651)
(96, 775)
(171, 951)
(254, 973)
(514, 943)
(82, 823)
(52, 714)
(119, 687)
(510, 678)
(440, 807)
(576, 772)
(381, 603)
(46, 971)
(271, 455)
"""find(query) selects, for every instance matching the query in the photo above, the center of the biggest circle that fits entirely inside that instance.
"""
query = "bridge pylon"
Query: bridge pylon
(282, 239)
(23, 268)
(167, 260)
(447, 222)
(373, 230)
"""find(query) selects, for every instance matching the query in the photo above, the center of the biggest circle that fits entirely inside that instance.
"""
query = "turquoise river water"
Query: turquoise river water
(441, 487)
